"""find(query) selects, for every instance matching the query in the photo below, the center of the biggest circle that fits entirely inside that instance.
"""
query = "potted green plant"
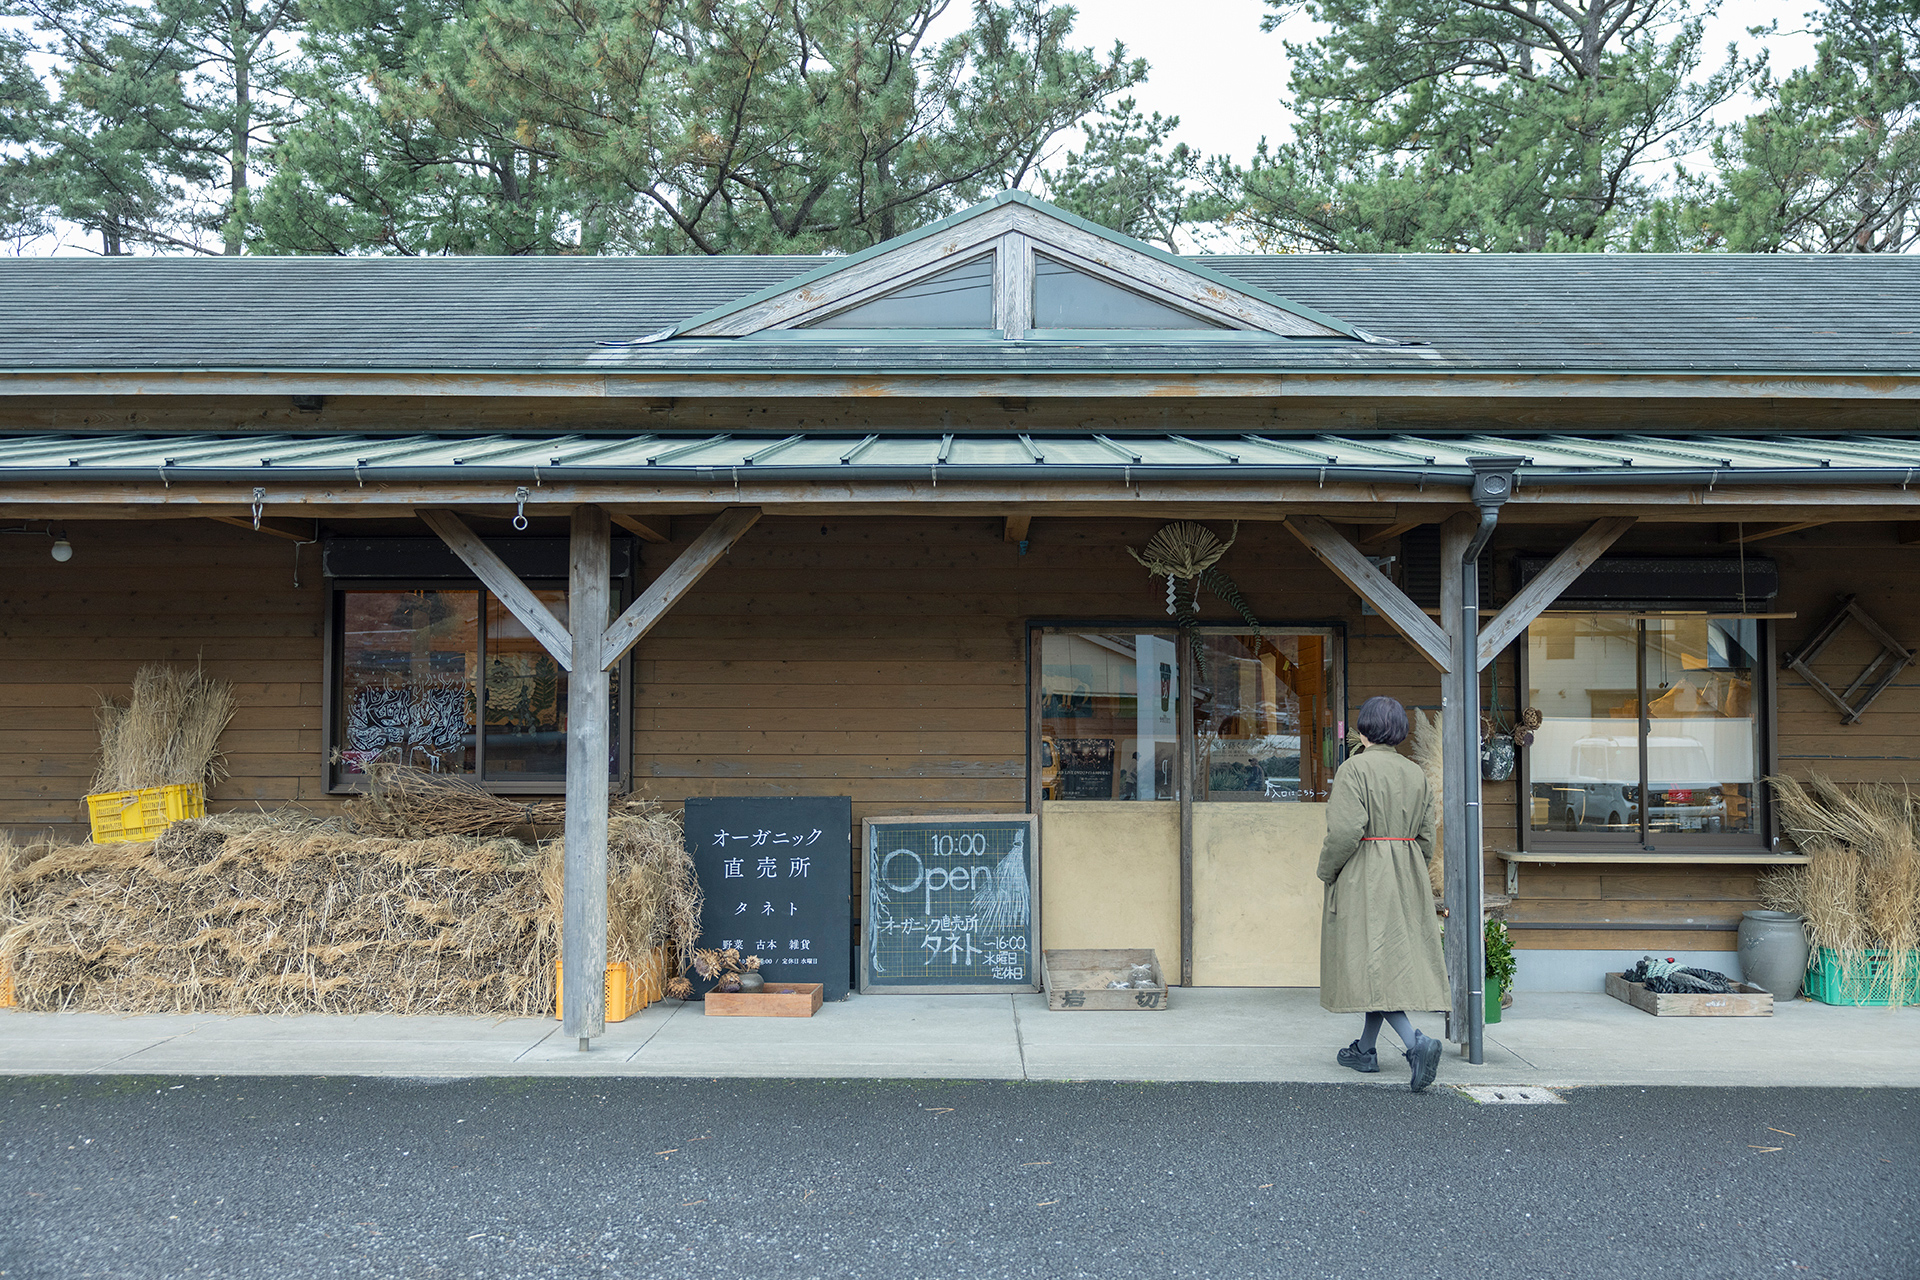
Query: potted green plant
(1500, 967)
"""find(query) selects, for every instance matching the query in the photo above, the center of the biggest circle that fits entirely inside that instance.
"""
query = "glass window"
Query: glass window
(423, 682)
(526, 720)
(1263, 715)
(961, 298)
(1109, 703)
(1650, 726)
(1064, 298)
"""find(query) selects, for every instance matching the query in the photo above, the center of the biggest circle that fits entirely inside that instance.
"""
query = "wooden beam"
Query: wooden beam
(654, 529)
(1739, 535)
(288, 529)
(520, 600)
(1352, 568)
(1378, 536)
(583, 937)
(661, 595)
(1533, 599)
(1016, 528)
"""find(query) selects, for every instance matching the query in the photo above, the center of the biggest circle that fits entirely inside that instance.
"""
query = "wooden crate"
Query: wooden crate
(1078, 979)
(775, 1000)
(1746, 1001)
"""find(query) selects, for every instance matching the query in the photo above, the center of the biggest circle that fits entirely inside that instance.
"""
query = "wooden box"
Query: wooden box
(775, 1000)
(1078, 979)
(1746, 1001)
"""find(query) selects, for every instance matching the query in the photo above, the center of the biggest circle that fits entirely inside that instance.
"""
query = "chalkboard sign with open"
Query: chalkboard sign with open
(951, 904)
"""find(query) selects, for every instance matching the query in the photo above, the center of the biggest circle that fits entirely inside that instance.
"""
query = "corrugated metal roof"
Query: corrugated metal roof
(1854, 313)
(1619, 457)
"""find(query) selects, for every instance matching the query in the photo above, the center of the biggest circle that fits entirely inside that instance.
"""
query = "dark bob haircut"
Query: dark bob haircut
(1383, 720)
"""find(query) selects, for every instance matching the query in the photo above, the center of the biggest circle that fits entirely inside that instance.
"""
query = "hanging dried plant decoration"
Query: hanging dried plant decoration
(1187, 551)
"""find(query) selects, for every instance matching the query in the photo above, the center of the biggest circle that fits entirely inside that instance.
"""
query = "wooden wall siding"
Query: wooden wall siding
(886, 659)
(882, 658)
(177, 591)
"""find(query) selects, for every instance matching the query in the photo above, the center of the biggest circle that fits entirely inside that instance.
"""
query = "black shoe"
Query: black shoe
(1362, 1060)
(1424, 1058)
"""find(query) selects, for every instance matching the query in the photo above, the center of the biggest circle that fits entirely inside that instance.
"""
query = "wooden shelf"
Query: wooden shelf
(1642, 856)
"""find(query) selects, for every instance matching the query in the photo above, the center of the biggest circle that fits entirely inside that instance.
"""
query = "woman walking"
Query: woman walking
(1379, 938)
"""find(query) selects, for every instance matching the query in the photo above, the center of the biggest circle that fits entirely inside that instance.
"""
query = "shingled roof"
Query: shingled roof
(1533, 313)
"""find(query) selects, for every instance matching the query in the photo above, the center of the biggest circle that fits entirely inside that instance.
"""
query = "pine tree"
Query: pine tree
(166, 110)
(1832, 163)
(1479, 125)
(676, 126)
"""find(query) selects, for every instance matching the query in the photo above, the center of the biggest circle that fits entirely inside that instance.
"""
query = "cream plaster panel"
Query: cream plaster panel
(1256, 900)
(1110, 876)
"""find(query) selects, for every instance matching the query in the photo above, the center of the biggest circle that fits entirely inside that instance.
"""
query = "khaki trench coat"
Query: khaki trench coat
(1379, 936)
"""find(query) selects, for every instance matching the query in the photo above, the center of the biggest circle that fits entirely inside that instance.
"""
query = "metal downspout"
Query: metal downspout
(1492, 486)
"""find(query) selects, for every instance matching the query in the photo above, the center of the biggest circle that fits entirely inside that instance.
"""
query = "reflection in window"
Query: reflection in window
(407, 665)
(422, 682)
(1675, 750)
(526, 695)
(1264, 718)
(1108, 708)
(1064, 298)
(958, 299)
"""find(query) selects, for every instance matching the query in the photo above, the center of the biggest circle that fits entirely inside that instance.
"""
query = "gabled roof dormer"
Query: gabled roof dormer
(1014, 268)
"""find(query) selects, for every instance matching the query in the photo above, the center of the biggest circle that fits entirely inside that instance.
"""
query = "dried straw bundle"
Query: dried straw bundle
(1860, 890)
(288, 913)
(167, 733)
(405, 801)
(1426, 753)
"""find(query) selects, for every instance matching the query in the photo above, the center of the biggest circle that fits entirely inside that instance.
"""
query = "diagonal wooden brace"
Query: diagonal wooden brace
(1533, 599)
(505, 584)
(1354, 569)
(666, 590)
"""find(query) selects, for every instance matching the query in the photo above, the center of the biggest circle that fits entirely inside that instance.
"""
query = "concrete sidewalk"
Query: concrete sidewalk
(1215, 1034)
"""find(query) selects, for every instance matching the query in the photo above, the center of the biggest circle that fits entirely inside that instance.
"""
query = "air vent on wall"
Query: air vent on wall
(1663, 582)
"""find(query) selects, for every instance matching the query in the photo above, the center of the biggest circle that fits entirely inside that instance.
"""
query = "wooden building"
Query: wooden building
(870, 521)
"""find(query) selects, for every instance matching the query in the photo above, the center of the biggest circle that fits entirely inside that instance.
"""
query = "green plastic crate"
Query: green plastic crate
(1870, 984)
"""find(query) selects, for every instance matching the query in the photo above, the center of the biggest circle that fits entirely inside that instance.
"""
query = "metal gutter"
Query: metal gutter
(1118, 472)
(757, 471)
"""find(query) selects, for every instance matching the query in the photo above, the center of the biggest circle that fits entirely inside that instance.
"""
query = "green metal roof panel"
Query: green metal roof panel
(529, 457)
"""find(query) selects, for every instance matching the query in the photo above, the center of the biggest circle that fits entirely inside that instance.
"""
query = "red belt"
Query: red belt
(1386, 837)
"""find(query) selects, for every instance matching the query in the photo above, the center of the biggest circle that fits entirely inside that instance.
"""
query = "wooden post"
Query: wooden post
(1459, 741)
(1184, 771)
(589, 750)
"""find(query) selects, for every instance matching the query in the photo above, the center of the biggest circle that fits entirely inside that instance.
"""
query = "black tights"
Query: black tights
(1397, 1020)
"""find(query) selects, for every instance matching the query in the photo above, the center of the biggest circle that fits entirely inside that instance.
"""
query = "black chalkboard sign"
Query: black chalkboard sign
(778, 876)
(952, 904)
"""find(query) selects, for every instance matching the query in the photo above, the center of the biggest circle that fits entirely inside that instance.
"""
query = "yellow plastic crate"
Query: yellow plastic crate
(623, 992)
(119, 816)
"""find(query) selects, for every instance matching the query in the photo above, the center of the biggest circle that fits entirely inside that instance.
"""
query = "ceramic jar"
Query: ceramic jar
(1773, 952)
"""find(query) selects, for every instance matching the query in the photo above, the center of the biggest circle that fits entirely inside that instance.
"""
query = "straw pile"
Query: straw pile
(287, 913)
(167, 732)
(1860, 891)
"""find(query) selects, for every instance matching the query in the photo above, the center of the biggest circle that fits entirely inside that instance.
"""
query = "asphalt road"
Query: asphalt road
(751, 1180)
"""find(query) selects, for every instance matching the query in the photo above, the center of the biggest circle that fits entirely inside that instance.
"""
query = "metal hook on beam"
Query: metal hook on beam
(520, 497)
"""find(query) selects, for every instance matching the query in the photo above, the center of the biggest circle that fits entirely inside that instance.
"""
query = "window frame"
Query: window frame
(1680, 846)
(1186, 735)
(336, 782)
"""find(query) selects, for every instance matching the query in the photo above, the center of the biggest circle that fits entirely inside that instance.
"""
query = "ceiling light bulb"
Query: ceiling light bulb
(62, 550)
